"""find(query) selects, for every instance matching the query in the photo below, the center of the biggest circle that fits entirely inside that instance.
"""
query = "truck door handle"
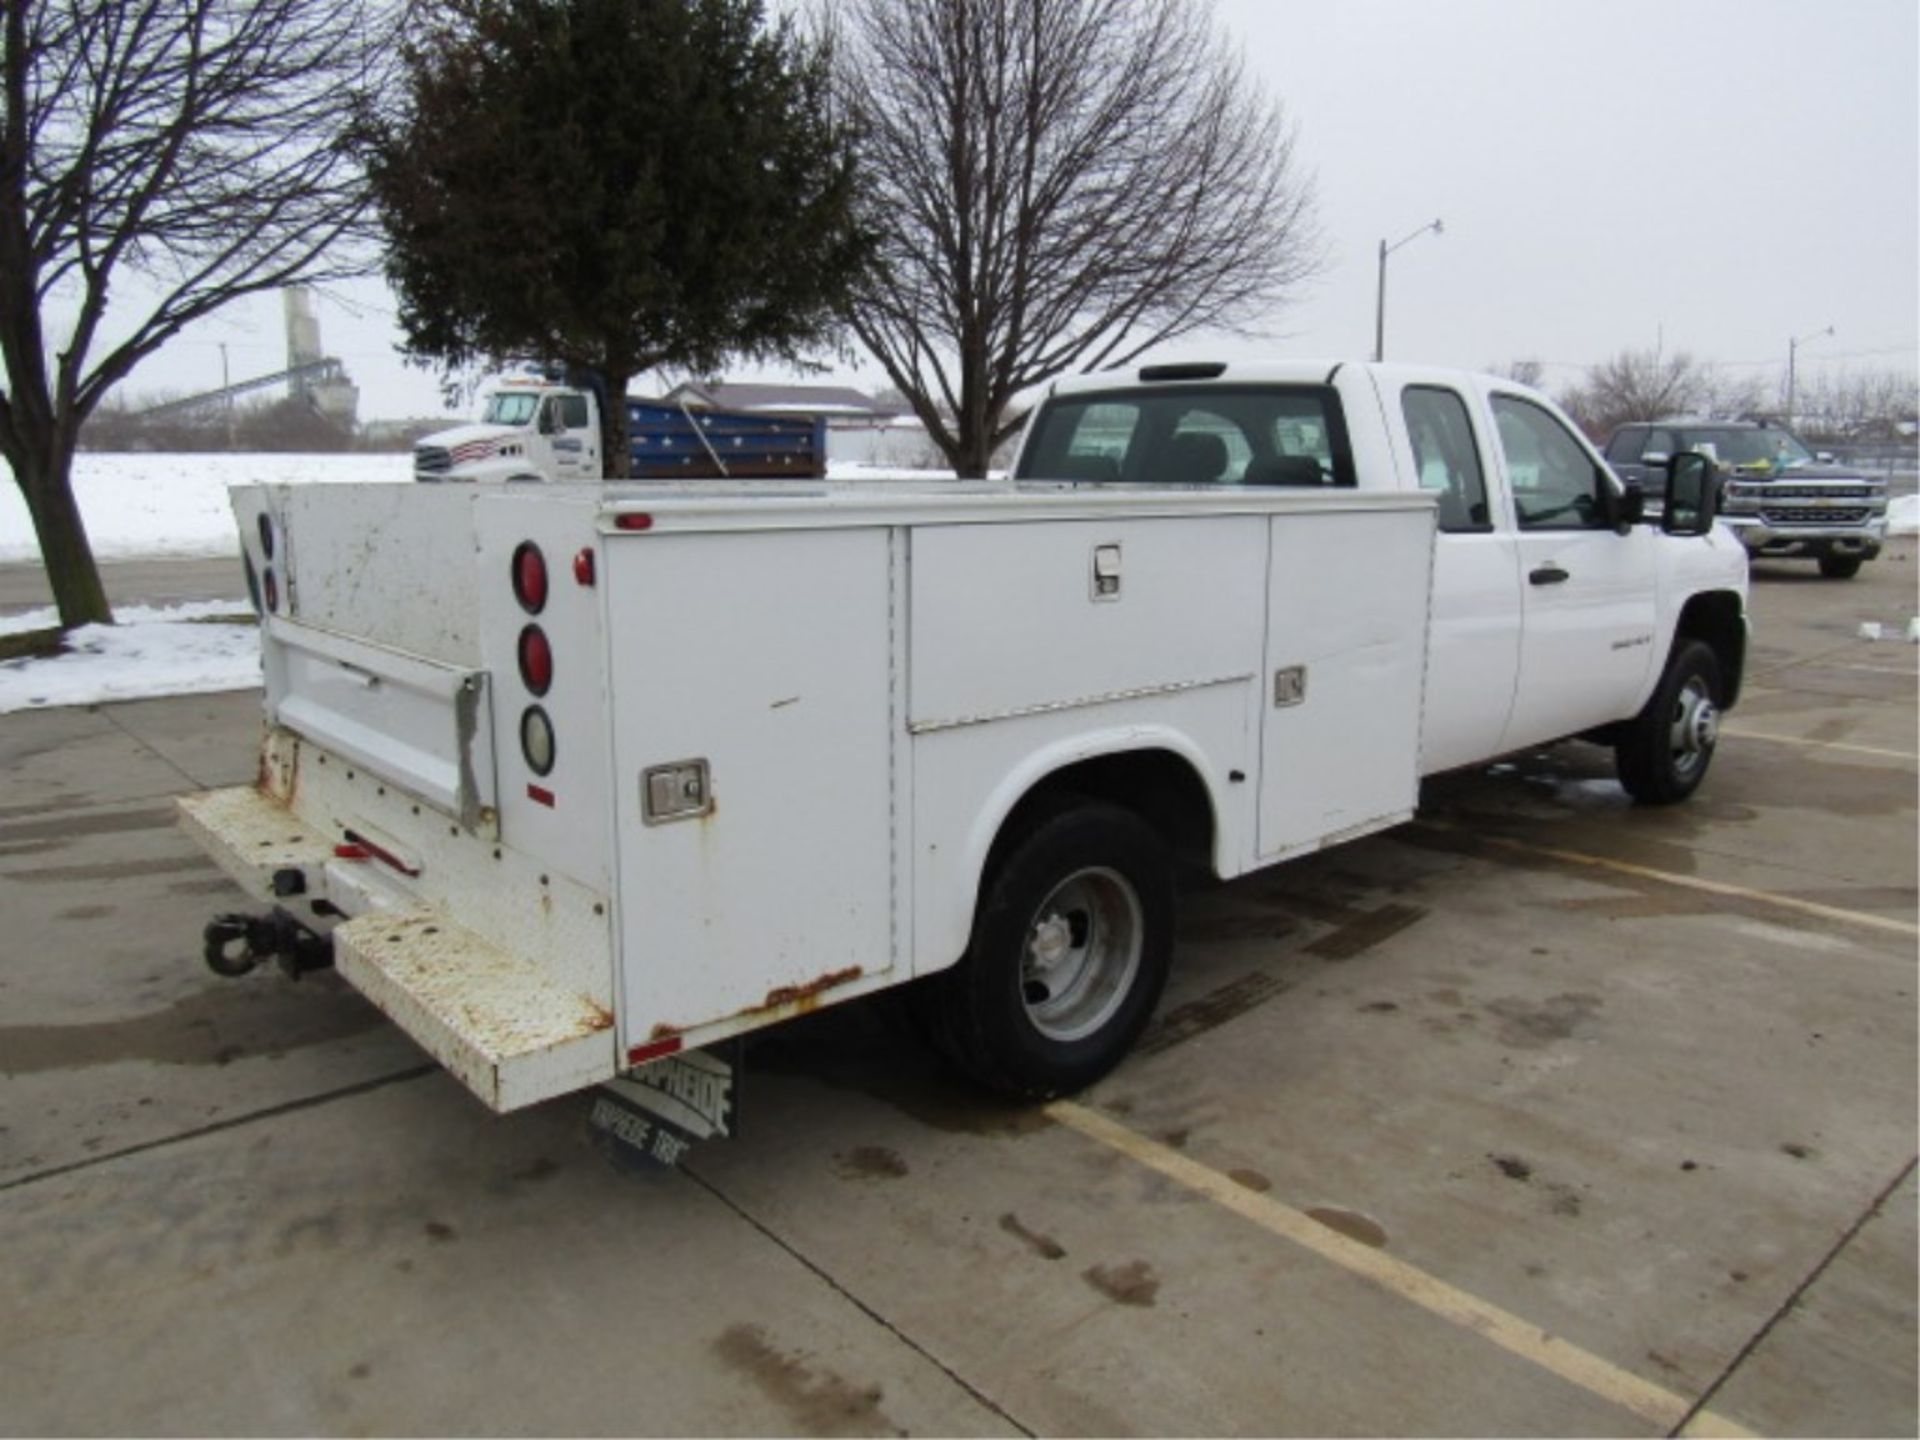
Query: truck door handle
(1548, 574)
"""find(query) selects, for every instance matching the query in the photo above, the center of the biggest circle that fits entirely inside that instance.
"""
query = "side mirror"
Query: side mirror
(1655, 457)
(1693, 489)
(1619, 503)
(549, 419)
(1823, 457)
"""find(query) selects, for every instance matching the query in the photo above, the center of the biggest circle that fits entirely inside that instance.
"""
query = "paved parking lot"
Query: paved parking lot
(1544, 1114)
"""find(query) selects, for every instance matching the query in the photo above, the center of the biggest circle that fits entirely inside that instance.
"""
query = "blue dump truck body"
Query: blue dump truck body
(672, 443)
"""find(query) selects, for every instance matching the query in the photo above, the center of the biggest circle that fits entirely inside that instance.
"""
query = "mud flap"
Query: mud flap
(653, 1115)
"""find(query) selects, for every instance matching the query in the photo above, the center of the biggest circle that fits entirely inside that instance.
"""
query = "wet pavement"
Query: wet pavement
(1543, 1114)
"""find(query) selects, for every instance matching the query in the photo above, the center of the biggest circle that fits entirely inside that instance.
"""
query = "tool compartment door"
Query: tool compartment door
(766, 658)
(1347, 599)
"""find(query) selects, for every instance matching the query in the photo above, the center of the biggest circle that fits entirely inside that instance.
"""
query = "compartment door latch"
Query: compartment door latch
(682, 790)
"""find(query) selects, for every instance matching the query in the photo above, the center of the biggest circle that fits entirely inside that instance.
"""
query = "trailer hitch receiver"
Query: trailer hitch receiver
(236, 944)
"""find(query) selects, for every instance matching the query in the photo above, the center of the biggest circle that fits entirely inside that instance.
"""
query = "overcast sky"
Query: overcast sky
(1713, 175)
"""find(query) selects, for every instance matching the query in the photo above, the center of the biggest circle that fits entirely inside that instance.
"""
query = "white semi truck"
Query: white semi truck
(570, 779)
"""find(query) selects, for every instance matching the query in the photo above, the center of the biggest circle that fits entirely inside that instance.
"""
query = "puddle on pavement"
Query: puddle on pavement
(1352, 1224)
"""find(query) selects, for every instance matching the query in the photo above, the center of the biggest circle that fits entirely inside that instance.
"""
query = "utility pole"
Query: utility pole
(226, 384)
(1380, 295)
(1793, 348)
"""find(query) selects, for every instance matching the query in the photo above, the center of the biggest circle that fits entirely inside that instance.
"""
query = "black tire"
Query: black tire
(1840, 567)
(1663, 754)
(1091, 885)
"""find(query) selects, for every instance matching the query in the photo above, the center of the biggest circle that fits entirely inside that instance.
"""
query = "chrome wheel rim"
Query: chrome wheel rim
(1694, 728)
(1081, 953)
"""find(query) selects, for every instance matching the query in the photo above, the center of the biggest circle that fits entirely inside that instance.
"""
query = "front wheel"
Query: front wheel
(1069, 953)
(1839, 567)
(1663, 755)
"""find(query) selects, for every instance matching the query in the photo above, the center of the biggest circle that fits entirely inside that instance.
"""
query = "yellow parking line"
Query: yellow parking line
(1741, 733)
(1580, 1367)
(1686, 882)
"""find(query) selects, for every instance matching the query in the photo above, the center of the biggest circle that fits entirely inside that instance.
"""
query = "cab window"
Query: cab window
(1193, 435)
(1445, 457)
(573, 411)
(1092, 441)
(1556, 485)
(1226, 461)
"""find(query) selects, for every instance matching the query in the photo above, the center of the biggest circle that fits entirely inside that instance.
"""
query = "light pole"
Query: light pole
(1380, 296)
(1793, 348)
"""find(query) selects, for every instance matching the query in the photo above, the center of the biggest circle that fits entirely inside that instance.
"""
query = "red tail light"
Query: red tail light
(530, 577)
(536, 660)
(272, 588)
(633, 520)
(583, 567)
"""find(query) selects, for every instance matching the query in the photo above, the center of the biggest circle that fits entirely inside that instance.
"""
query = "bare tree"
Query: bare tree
(1639, 385)
(1729, 396)
(195, 144)
(1857, 405)
(1061, 184)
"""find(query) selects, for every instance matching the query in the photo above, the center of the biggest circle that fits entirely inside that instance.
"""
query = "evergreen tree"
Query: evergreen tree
(615, 185)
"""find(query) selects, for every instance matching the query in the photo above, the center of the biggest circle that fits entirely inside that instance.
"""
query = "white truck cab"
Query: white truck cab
(1555, 609)
(528, 430)
(569, 780)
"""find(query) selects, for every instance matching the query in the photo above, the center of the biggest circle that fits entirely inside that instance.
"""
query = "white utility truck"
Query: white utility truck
(567, 779)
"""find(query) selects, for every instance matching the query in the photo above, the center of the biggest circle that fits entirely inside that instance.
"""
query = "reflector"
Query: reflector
(641, 1054)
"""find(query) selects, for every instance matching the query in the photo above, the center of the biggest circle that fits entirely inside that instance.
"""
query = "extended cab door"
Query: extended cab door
(1587, 591)
(1474, 640)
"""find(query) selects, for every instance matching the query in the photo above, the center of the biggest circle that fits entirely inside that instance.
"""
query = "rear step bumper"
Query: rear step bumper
(508, 1033)
(498, 1021)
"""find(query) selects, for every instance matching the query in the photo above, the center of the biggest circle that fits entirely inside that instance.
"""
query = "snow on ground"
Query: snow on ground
(146, 505)
(1903, 515)
(151, 651)
(140, 506)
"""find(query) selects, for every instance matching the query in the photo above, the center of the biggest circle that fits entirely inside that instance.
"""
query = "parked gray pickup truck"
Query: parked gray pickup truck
(1779, 498)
